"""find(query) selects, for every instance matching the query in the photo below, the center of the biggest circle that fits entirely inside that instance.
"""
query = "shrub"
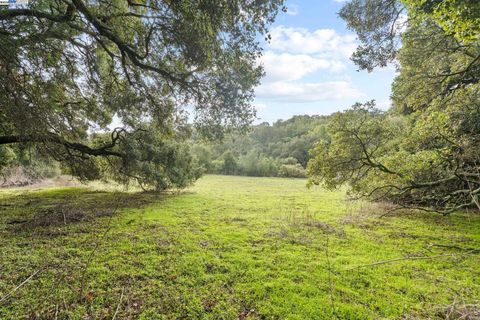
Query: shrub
(291, 171)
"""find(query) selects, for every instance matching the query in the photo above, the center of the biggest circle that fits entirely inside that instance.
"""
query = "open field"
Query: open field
(230, 248)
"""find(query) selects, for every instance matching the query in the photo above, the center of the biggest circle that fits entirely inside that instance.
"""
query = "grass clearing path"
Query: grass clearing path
(228, 248)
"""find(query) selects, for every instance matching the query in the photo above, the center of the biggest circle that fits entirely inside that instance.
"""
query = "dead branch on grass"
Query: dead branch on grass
(8, 295)
(412, 258)
(119, 303)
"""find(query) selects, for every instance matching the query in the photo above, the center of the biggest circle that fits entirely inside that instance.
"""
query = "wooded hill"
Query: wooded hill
(278, 149)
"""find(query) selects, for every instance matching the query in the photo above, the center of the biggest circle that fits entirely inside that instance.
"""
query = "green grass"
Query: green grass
(228, 248)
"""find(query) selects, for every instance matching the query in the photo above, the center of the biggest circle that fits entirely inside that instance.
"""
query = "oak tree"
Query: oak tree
(104, 87)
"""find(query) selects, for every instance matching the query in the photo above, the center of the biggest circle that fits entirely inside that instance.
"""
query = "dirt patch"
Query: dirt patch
(65, 214)
(21, 180)
(209, 304)
(16, 177)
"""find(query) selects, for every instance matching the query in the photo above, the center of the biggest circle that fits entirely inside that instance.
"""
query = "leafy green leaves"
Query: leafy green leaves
(73, 67)
(424, 151)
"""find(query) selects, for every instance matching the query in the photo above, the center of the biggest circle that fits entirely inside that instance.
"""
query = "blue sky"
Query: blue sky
(307, 65)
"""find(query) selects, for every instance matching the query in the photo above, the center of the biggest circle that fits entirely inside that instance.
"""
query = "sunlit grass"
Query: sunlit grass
(228, 248)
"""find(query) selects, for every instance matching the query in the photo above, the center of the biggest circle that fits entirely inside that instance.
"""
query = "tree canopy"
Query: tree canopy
(278, 149)
(423, 152)
(71, 68)
(379, 25)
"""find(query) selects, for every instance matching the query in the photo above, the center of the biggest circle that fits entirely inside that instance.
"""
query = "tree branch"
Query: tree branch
(52, 138)
(14, 13)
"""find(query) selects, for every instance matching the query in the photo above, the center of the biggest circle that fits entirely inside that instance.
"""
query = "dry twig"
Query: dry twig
(119, 303)
(412, 258)
(8, 295)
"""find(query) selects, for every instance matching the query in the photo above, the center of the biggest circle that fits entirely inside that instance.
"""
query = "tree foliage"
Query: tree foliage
(69, 68)
(460, 18)
(377, 24)
(280, 149)
(424, 151)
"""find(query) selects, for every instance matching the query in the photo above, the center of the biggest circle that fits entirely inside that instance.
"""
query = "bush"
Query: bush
(20, 168)
(289, 160)
(229, 164)
(217, 166)
(204, 157)
(23, 175)
(257, 165)
(291, 171)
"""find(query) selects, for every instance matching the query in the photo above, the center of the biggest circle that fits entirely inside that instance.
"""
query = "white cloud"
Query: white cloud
(292, 10)
(290, 67)
(324, 42)
(307, 92)
(260, 106)
(384, 104)
(294, 53)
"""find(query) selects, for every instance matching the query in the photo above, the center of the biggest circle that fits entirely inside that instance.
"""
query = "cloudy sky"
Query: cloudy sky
(307, 65)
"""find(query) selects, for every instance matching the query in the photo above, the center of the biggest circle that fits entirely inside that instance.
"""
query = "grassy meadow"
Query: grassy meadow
(230, 248)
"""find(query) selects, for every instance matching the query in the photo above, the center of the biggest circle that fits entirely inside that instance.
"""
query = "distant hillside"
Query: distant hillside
(280, 149)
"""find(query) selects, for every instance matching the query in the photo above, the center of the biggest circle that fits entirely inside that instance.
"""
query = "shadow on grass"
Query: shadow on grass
(50, 241)
(378, 214)
(56, 208)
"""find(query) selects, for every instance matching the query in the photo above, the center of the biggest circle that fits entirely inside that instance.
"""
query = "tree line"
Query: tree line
(281, 149)
(277, 150)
